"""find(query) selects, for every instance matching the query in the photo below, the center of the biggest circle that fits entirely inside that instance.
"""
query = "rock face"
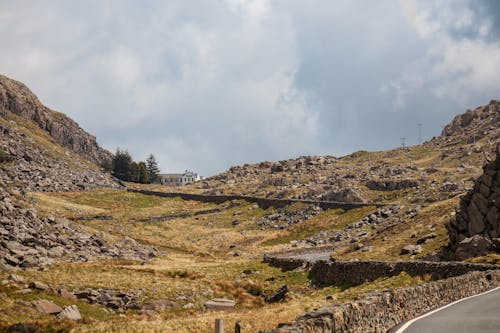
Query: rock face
(15, 97)
(478, 215)
(478, 121)
(36, 159)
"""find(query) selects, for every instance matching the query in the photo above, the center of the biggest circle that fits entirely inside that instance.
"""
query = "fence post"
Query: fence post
(219, 325)
(237, 327)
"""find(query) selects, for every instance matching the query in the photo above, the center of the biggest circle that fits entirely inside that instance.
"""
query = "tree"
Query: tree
(122, 165)
(142, 173)
(134, 172)
(152, 167)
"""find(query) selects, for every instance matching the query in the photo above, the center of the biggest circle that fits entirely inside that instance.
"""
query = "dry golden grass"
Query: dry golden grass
(198, 261)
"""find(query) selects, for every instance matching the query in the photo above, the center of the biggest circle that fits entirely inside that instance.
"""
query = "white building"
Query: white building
(179, 179)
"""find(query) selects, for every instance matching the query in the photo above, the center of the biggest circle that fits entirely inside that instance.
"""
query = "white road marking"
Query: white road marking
(408, 323)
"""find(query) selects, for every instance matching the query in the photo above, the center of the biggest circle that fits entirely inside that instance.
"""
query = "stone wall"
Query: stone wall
(476, 227)
(351, 273)
(262, 202)
(378, 312)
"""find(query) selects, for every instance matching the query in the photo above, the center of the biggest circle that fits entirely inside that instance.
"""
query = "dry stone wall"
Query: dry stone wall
(378, 312)
(262, 202)
(476, 227)
(326, 273)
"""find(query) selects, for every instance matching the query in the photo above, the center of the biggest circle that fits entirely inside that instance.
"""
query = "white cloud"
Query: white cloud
(205, 85)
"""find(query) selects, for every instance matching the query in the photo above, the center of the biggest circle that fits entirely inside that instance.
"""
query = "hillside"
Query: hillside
(433, 171)
(135, 262)
(44, 150)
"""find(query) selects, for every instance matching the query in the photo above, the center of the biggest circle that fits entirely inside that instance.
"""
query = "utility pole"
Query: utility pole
(419, 133)
(403, 141)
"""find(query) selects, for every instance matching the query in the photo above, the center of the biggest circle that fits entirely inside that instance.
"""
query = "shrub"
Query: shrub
(5, 157)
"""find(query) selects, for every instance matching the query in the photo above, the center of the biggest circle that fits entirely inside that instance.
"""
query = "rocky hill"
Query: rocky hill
(436, 170)
(44, 150)
(16, 98)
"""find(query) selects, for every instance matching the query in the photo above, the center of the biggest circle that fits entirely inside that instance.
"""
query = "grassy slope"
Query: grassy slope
(197, 264)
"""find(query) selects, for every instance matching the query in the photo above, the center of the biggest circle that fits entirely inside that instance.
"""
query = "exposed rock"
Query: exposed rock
(71, 312)
(473, 247)
(285, 217)
(111, 298)
(48, 307)
(66, 294)
(344, 195)
(220, 304)
(31, 241)
(15, 97)
(478, 214)
(278, 295)
(426, 238)
(38, 285)
(411, 249)
(391, 184)
(16, 278)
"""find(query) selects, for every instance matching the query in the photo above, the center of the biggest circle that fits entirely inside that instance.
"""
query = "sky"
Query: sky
(208, 84)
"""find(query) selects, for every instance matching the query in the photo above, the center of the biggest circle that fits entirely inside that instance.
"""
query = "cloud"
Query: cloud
(204, 85)
(461, 61)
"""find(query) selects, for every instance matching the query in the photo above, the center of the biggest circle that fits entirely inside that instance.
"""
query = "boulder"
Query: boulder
(48, 307)
(344, 195)
(38, 285)
(220, 304)
(474, 246)
(411, 249)
(278, 295)
(426, 238)
(71, 312)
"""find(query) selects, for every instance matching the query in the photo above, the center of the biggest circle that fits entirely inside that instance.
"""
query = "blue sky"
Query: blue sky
(205, 85)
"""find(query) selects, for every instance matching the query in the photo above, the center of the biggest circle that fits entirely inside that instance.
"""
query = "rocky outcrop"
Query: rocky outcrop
(111, 298)
(283, 218)
(476, 226)
(391, 185)
(15, 97)
(476, 123)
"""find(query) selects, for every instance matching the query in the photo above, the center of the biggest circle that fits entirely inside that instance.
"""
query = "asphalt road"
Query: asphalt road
(476, 314)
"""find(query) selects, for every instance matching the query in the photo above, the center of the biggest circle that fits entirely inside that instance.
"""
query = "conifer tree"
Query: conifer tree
(122, 165)
(152, 167)
(142, 173)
